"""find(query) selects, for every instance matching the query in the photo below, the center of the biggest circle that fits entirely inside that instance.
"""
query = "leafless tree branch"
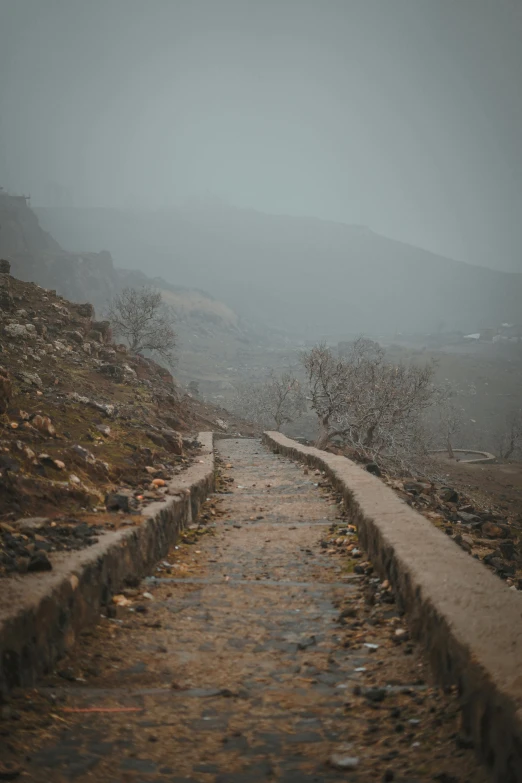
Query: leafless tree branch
(141, 318)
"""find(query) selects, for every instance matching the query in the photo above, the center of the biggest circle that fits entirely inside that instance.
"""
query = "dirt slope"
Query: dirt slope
(86, 429)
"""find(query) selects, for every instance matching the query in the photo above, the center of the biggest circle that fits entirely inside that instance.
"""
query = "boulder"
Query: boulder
(104, 328)
(122, 500)
(31, 379)
(75, 337)
(95, 335)
(18, 330)
(174, 441)
(5, 266)
(129, 372)
(85, 310)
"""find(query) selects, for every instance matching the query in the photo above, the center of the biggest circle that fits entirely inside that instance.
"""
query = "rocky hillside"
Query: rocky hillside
(36, 256)
(86, 430)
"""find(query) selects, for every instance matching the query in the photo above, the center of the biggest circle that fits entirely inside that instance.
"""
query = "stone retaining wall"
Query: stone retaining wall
(469, 621)
(42, 614)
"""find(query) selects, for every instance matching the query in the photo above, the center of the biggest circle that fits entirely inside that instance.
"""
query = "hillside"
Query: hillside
(209, 331)
(307, 276)
(86, 429)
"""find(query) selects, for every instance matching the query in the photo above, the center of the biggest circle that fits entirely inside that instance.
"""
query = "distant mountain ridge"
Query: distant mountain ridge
(37, 257)
(305, 275)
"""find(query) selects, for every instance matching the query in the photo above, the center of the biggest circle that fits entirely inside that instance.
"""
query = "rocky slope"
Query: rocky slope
(88, 433)
(203, 322)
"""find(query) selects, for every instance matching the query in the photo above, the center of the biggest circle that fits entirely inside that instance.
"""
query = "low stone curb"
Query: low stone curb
(483, 458)
(468, 620)
(42, 614)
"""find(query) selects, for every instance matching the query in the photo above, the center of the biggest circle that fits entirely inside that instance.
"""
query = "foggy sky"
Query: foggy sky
(402, 115)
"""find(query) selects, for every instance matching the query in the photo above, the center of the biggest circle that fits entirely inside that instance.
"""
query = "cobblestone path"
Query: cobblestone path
(257, 654)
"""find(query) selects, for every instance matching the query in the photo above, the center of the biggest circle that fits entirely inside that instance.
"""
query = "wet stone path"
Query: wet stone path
(262, 649)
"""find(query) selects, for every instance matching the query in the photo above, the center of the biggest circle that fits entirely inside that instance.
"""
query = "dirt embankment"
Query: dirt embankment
(89, 434)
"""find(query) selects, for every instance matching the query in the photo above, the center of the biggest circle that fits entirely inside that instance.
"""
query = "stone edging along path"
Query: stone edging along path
(42, 614)
(469, 621)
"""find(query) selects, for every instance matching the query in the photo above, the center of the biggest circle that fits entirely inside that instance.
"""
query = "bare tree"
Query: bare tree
(368, 403)
(449, 416)
(511, 440)
(278, 400)
(144, 321)
(328, 381)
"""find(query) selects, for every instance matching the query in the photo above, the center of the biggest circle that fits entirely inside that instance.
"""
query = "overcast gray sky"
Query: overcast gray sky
(403, 115)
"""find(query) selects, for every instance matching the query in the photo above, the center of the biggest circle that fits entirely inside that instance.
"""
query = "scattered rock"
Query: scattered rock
(448, 494)
(39, 562)
(470, 519)
(95, 336)
(104, 329)
(129, 372)
(340, 760)
(85, 310)
(507, 549)
(76, 337)
(85, 454)
(492, 530)
(416, 487)
(375, 695)
(31, 379)
(44, 425)
(6, 390)
(122, 500)
(31, 524)
(17, 330)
